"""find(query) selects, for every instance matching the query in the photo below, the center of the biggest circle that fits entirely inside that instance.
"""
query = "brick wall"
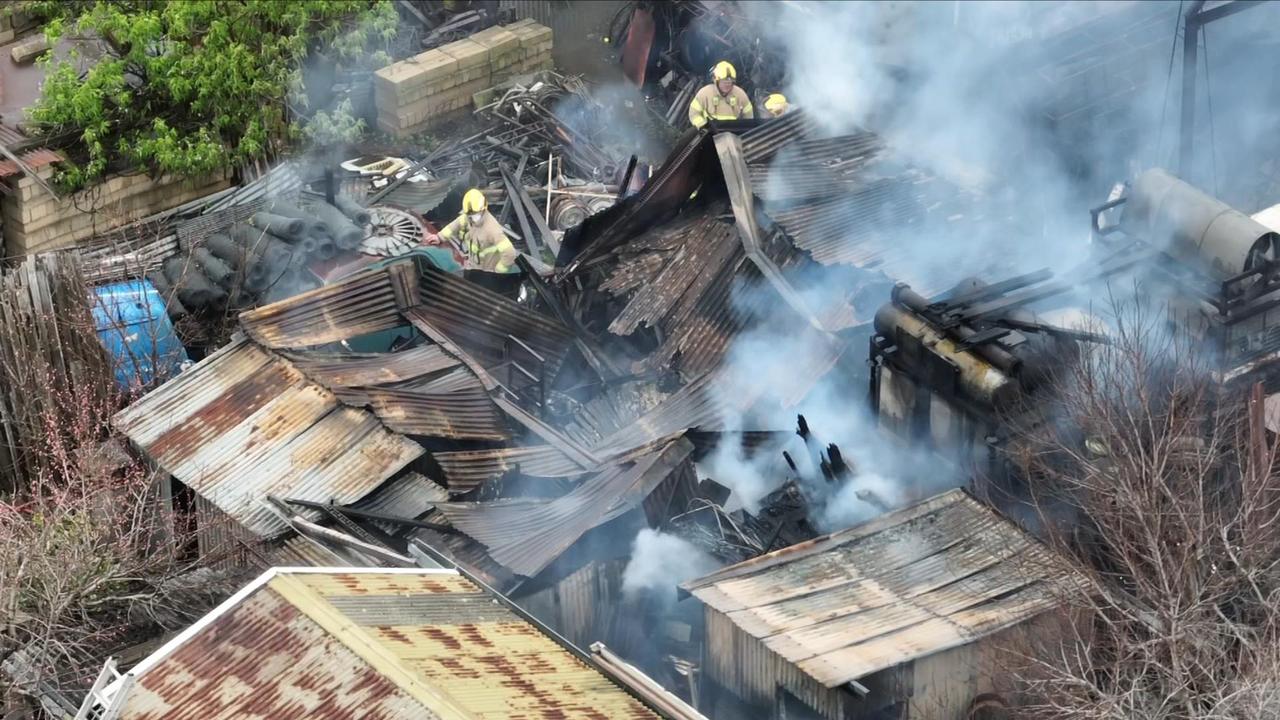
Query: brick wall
(35, 222)
(416, 94)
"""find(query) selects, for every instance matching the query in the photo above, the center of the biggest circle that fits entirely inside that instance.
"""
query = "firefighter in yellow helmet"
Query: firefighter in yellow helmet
(721, 99)
(480, 235)
(776, 105)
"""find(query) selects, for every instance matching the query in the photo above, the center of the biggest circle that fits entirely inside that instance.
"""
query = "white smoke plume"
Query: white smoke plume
(659, 562)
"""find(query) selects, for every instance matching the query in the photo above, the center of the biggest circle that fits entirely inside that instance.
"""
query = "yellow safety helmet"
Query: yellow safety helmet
(776, 103)
(722, 70)
(473, 201)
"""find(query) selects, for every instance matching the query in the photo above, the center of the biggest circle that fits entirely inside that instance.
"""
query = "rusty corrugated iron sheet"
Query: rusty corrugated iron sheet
(526, 535)
(371, 644)
(364, 369)
(265, 658)
(463, 415)
(465, 469)
(244, 424)
(942, 573)
(33, 159)
(366, 302)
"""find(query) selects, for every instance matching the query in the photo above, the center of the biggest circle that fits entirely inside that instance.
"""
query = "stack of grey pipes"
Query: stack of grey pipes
(233, 269)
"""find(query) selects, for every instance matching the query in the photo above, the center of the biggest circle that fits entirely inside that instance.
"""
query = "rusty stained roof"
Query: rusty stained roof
(367, 302)
(33, 159)
(916, 581)
(333, 369)
(466, 414)
(243, 424)
(466, 469)
(369, 643)
(526, 535)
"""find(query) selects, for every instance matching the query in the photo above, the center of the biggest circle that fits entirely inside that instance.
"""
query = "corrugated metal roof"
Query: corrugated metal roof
(266, 658)
(422, 197)
(366, 302)
(370, 644)
(409, 496)
(284, 180)
(465, 414)
(916, 581)
(363, 369)
(527, 535)
(466, 469)
(33, 159)
(243, 424)
(480, 321)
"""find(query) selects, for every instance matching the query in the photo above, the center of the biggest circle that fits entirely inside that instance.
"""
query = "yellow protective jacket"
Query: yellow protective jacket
(486, 244)
(709, 104)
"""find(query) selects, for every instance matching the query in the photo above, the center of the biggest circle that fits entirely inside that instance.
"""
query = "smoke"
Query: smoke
(779, 368)
(659, 562)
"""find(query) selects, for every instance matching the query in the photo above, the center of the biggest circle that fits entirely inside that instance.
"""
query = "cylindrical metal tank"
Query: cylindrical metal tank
(1193, 227)
(978, 380)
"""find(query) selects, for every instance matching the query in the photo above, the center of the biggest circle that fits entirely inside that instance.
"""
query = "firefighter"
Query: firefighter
(776, 105)
(721, 99)
(480, 235)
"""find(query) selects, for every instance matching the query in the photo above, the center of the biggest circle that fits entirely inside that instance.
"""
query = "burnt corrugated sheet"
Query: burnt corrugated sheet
(464, 415)
(761, 142)
(465, 469)
(702, 246)
(942, 573)
(366, 302)
(668, 190)
(362, 369)
(482, 322)
(243, 424)
(527, 535)
(695, 405)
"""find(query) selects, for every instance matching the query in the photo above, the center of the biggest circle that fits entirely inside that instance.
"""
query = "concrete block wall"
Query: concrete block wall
(35, 222)
(416, 94)
(13, 21)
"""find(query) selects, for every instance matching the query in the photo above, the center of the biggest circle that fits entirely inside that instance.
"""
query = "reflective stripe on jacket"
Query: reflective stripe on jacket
(709, 104)
(486, 244)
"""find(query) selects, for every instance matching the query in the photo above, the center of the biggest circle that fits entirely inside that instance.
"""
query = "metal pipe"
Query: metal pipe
(977, 379)
(1190, 47)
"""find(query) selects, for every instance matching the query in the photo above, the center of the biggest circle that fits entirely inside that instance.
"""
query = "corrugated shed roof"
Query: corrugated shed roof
(366, 302)
(371, 644)
(465, 469)
(527, 535)
(466, 414)
(916, 581)
(266, 658)
(243, 424)
(33, 159)
(361, 369)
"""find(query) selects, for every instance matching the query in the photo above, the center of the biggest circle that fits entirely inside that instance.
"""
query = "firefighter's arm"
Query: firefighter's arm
(697, 115)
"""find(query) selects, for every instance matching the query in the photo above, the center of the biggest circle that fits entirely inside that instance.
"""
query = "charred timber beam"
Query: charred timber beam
(372, 515)
(516, 207)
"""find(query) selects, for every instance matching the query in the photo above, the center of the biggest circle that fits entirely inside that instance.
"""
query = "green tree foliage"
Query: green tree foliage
(193, 86)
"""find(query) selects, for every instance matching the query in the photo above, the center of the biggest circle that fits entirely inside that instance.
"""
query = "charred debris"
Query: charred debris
(525, 428)
(378, 405)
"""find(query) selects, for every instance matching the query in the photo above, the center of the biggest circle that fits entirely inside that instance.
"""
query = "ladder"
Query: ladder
(107, 696)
